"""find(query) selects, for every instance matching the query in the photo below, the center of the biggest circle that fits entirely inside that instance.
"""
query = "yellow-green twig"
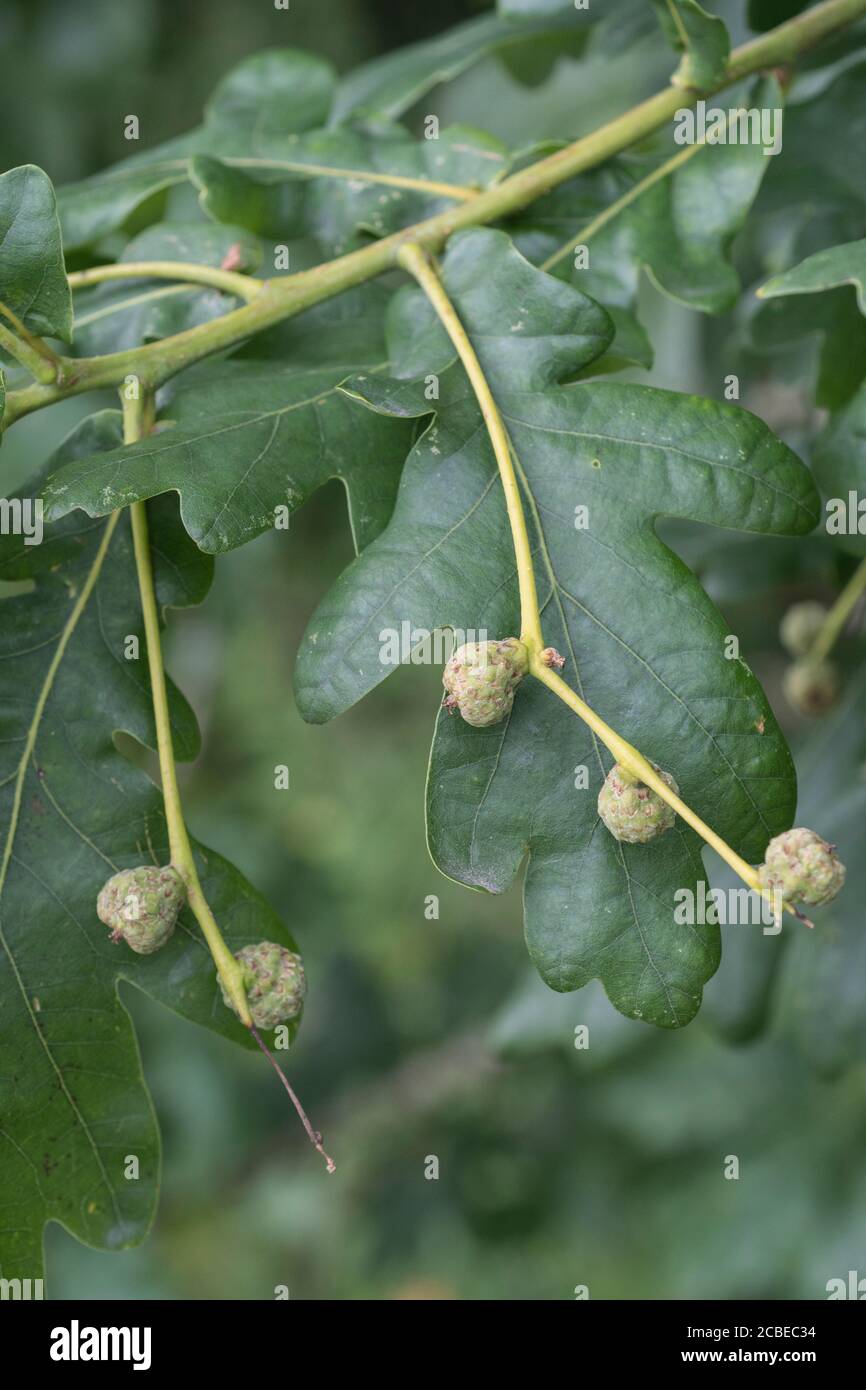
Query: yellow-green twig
(832, 626)
(138, 418)
(137, 421)
(245, 287)
(26, 348)
(154, 363)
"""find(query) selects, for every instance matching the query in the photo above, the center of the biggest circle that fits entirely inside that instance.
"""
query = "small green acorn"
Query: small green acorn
(811, 687)
(631, 810)
(801, 625)
(141, 905)
(803, 867)
(274, 981)
(481, 678)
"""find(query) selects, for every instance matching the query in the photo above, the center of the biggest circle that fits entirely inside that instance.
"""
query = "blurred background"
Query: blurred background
(422, 1039)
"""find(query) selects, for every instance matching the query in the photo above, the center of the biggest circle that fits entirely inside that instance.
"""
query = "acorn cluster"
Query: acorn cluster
(141, 907)
(811, 687)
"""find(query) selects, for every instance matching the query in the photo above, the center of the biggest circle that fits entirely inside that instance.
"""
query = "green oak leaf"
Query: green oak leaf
(391, 84)
(825, 332)
(269, 94)
(72, 1096)
(679, 230)
(702, 39)
(789, 226)
(251, 436)
(264, 202)
(92, 208)
(32, 274)
(815, 158)
(782, 319)
(825, 270)
(643, 643)
(271, 198)
(117, 315)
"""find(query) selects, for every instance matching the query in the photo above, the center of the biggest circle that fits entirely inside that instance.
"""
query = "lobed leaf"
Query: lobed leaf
(644, 644)
(72, 1096)
(250, 436)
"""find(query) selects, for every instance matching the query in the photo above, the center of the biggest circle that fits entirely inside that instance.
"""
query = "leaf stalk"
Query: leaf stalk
(837, 617)
(138, 418)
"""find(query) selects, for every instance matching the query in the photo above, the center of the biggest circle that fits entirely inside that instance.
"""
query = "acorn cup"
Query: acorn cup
(632, 811)
(142, 905)
(274, 981)
(811, 687)
(800, 626)
(481, 678)
(802, 867)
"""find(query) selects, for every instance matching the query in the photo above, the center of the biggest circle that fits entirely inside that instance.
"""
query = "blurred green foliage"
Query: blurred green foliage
(557, 1167)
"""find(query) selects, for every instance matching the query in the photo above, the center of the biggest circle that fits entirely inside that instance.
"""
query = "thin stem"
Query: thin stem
(138, 419)
(23, 353)
(138, 414)
(609, 213)
(246, 287)
(418, 263)
(415, 260)
(635, 762)
(832, 626)
(28, 349)
(313, 1135)
(155, 362)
